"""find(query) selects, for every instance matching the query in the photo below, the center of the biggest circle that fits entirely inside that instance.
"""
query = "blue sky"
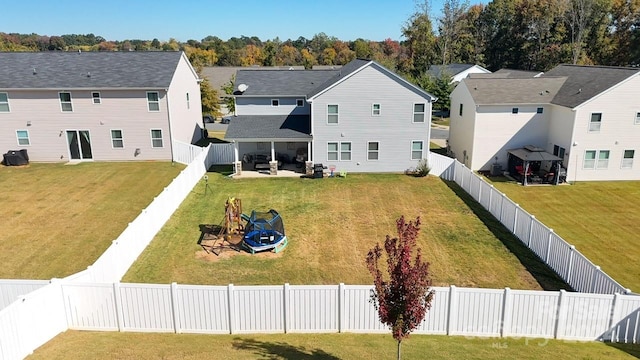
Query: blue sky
(195, 19)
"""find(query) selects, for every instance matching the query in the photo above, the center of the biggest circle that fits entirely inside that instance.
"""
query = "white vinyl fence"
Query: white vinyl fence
(11, 290)
(219, 154)
(573, 267)
(346, 308)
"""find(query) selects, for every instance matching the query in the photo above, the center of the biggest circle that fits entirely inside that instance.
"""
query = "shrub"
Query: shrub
(422, 169)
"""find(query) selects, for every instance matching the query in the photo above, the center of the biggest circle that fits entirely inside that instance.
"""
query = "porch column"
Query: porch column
(273, 164)
(309, 163)
(236, 157)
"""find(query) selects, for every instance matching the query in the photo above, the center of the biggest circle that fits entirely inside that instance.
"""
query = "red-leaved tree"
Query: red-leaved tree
(404, 298)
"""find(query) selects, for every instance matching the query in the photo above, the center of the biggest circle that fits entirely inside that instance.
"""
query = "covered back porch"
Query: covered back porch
(532, 165)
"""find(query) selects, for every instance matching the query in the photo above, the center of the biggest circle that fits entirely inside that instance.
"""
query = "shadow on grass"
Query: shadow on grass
(280, 350)
(543, 274)
(224, 170)
(440, 151)
(631, 349)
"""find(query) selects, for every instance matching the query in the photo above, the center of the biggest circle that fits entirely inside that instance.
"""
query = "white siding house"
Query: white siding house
(594, 127)
(458, 72)
(98, 106)
(360, 118)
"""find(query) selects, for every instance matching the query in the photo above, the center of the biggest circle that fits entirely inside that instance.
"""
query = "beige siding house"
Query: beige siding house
(587, 116)
(98, 106)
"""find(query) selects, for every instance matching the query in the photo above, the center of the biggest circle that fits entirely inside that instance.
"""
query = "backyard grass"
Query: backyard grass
(95, 345)
(331, 224)
(58, 219)
(600, 218)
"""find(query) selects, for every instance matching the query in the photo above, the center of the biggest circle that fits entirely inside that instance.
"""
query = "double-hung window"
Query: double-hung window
(373, 149)
(636, 121)
(4, 102)
(332, 114)
(345, 151)
(153, 101)
(339, 151)
(23, 137)
(627, 159)
(275, 102)
(95, 97)
(596, 159)
(416, 149)
(603, 159)
(188, 103)
(375, 110)
(65, 101)
(418, 113)
(116, 139)
(156, 138)
(299, 102)
(596, 121)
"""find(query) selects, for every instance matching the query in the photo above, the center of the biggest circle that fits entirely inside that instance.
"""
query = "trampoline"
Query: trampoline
(264, 231)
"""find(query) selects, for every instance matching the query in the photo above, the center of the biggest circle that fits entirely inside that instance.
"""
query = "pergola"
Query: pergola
(526, 163)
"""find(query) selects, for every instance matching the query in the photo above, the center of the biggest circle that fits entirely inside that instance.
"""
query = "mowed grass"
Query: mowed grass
(331, 224)
(600, 218)
(94, 345)
(58, 219)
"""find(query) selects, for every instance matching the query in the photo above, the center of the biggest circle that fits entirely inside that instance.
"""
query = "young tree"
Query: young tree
(403, 300)
(228, 100)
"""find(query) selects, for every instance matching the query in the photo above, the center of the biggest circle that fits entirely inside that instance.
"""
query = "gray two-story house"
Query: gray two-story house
(359, 118)
(80, 106)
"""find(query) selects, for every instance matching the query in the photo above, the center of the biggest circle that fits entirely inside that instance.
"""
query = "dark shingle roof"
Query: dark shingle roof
(283, 82)
(585, 82)
(451, 69)
(344, 72)
(90, 70)
(269, 127)
(495, 91)
(516, 74)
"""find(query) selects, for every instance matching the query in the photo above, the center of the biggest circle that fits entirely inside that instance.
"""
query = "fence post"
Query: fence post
(546, 257)
(462, 178)
(506, 313)
(515, 220)
(614, 314)
(592, 286)
(502, 206)
(490, 197)
(568, 273)
(341, 307)
(118, 304)
(533, 218)
(560, 315)
(479, 181)
(175, 308)
(285, 306)
(230, 297)
(453, 306)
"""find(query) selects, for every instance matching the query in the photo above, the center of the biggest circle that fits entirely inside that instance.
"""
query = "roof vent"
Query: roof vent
(243, 87)
(34, 71)
(88, 74)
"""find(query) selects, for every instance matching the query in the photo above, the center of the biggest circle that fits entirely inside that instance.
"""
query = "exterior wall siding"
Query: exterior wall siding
(393, 129)
(262, 106)
(499, 130)
(618, 132)
(561, 133)
(40, 114)
(186, 119)
(462, 128)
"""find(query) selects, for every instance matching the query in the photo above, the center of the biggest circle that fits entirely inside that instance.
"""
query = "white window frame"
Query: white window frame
(342, 152)
(275, 102)
(336, 115)
(376, 151)
(93, 98)
(636, 121)
(594, 126)
(592, 162)
(336, 151)
(70, 102)
(627, 163)
(188, 102)
(155, 139)
(374, 110)
(18, 137)
(113, 139)
(423, 113)
(5, 102)
(421, 149)
(299, 102)
(156, 102)
(602, 164)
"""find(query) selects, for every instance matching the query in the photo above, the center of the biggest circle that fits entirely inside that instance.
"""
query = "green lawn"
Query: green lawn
(58, 219)
(600, 218)
(95, 345)
(332, 223)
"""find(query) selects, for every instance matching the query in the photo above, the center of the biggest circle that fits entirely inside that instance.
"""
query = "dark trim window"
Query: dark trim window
(65, 101)
(275, 102)
(95, 98)
(156, 138)
(418, 113)
(116, 139)
(539, 110)
(515, 110)
(153, 101)
(4, 102)
(299, 102)
(373, 149)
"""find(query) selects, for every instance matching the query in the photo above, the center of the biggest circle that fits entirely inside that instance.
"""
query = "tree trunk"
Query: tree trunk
(399, 343)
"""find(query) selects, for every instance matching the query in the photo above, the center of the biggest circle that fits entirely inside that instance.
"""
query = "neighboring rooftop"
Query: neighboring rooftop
(281, 83)
(501, 91)
(451, 69)
(87, 70)
(585, 82)
(516, 74)
(269, 127)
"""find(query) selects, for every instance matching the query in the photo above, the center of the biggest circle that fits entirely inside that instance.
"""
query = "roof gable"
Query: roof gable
(87, 70)
(585, 82)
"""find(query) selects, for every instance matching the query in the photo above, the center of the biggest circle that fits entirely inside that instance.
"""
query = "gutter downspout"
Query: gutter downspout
(166, 91)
